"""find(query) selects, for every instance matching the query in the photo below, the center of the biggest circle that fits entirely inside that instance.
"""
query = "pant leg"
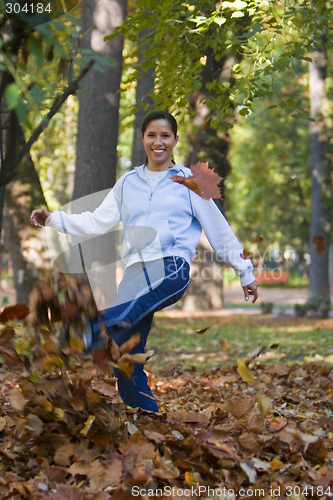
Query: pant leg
(137, 316)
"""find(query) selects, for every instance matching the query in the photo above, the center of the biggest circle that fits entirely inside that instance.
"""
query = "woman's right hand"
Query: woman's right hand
(39, 216)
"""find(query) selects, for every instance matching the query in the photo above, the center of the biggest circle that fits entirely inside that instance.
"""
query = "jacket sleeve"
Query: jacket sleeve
(221, 237)
(100, 221)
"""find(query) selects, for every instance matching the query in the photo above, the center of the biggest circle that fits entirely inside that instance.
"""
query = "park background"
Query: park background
(250, 83)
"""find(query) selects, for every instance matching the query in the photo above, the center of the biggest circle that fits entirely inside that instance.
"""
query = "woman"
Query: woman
(162, 224)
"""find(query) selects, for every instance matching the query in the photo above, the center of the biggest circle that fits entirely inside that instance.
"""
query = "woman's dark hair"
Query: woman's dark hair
(159, 115)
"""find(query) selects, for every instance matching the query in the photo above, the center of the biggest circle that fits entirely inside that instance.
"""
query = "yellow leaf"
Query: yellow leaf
(76, 342)
(126, 370)
(224, 344)
(189, 479)
(3, 423)
(87, 425)
(93, 398)
(276, 464)
(51, 361)
(48, 406)
(244, 371)
(59, 413)
(264, 404)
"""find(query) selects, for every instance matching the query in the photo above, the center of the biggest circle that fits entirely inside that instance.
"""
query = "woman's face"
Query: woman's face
(159, 141)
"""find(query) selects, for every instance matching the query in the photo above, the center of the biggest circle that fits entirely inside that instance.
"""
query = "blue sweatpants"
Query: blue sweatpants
(127, 317)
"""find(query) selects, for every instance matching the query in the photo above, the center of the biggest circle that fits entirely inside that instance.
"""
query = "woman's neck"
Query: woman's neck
(159, 168)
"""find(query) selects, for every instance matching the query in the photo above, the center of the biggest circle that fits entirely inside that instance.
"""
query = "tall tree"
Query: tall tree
(30, 57)
(99, 101)
(321, 164)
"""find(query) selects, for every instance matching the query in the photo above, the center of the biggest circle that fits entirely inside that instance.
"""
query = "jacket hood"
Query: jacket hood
(139, 170)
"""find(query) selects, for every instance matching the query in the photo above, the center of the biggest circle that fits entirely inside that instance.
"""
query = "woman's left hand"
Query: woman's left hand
(251, 289)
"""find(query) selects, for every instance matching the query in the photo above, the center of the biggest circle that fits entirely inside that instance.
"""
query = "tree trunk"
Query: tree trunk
(25, 244)
(97, 137)
(321, 194)
(212, 145)
(144, 102)
(205, 288)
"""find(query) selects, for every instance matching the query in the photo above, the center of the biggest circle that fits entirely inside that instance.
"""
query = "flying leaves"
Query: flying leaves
(203, 181)
(15, 312)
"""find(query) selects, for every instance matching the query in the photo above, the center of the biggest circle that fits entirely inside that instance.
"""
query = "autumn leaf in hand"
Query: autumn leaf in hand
(319, 243)
(204, 181)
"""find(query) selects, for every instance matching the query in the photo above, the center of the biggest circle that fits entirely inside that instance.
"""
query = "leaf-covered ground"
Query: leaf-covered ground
(65, 434)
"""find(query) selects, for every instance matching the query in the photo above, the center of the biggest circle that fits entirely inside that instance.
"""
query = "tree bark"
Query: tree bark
(26, 246)
(97, 138)
(99, 101)
(211, 145)
(144, 102)
(321, 190)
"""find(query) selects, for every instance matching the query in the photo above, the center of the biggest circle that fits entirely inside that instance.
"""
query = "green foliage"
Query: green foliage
(268, 190)
(248, 33)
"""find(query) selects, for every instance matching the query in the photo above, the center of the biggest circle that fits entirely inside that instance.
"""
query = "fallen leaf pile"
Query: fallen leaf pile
(66, 435)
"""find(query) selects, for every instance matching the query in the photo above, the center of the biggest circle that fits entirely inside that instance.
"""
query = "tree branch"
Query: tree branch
(6, 177)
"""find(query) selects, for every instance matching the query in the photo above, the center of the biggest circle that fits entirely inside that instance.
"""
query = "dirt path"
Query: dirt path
(279, 296)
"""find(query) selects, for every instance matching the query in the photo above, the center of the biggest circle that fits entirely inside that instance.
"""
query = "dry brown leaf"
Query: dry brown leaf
(103, 475)
(64, 452)
(203, 182)
(15, 312)
(10, 357)
(6, 334)
(203, 330)
(64, 492)
(188, 416)
(165, 468)
(138, 448)
(16, 399)
(249, 442)
(326, 422)
(132, 342)
(34, 424)
(114, 350)
(257, 240)
(277, 424)
(239, 406)
(138, 358)
(104, 387)
(319, 243)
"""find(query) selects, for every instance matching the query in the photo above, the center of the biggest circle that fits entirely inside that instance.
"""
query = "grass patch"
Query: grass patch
(175, 340)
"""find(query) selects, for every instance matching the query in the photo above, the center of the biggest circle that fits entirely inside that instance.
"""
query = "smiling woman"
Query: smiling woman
(159, 137)
(162, 223)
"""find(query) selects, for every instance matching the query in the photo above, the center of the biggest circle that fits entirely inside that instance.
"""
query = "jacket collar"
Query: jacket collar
(140, 170)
